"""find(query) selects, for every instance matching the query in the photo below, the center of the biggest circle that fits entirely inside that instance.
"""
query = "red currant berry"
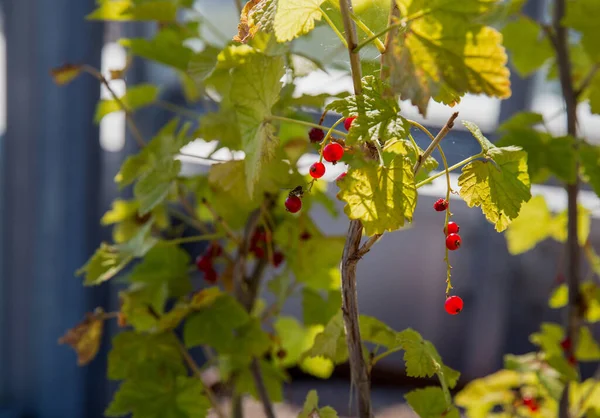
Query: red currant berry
(316, 135)
(293, 203)
(210, 275)
(341, 176)
(531, 403)
(453, 242)
(348, 122)
(333, 152)
(278, 258)
(566, 344)
(258, 252)
(440, 205)
(317, 170)
(452, 228)
(453, 305)
(305, 236)
(204, 262)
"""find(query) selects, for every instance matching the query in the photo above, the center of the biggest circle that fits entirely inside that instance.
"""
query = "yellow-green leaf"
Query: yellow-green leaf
(587, 347)
(295, 18)
(254, 90)
(165, 48)
(331, 342)
(530, 48)
(590, 161)
(85, 337)
(499, 184)
(532, 226)
(445, 53)
(381, 197)
(136, 97)
(559, 297)
(430, 402)
(123, 10)
(558, 227)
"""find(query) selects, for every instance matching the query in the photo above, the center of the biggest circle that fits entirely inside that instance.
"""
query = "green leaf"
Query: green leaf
(559, 297)
(273, 379)
(123, 10)
(311, 408)
(221, 126)
(202, 64)
(480, 396)
(134, 353)
(331, 343)
(376, 332)
(532, 226)
(382, 198)
(255, 89)
(379, 120)
(251, 340)
(135, 98)
(109, 260)
(499, 184)
(153, 186)
(295, 18)
(142, 305)
(160, 397)
(587, 347)
(529, 46)
(549, 338)
(430, 402)
(445, 53)
(581, 15)
(165, 264)
(166, 48)
(521, 120)
(590, 162)
(319, 310)
(593, 93)
(560, 222)
(420, 356)
(215, 324)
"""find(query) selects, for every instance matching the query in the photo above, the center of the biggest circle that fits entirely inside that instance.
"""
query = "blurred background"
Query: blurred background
(57, 171)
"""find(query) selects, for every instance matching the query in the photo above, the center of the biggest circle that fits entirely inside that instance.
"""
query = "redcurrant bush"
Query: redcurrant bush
(317, 170)
(333, 152)
(293, 204)
(453, 242)
(452, 228)
(348, 122)
(440, 205)
(453, 305)
(316, 135)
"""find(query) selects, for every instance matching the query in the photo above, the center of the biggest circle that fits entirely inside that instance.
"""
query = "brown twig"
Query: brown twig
(219, 219)
(358, 367)
(137, 135)
(573, 250)
(435, 143)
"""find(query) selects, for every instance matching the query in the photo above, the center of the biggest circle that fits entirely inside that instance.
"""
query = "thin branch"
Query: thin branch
(587, 80)
(436, 141)
(137, 135)
(358, 367)
(573, 267)
(198, 373)
(366, 247)
(261, 388)
(219, 219)
(376, 36)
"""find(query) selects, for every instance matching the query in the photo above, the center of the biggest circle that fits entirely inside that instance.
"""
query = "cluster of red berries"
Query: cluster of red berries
(205, 261)
(530, 402)
(332, 153)
(454, 304)
(258, 247)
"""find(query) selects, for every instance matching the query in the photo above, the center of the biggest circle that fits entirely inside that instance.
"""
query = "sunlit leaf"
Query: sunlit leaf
(295, 18)
(532, 226)
(311, 408)
(123, 10)
(331, 343)
(381, 197)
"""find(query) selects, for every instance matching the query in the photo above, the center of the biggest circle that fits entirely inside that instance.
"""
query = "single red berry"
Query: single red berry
(204, 262)
(258, 237)
(317, 170)
(440, 205)
(277, 258)
(293, 203)
(348, 122)
(333, 152)
(452, 228)
(453, 242)
(258, 251)
(316, 135)
(305, 236)
(210, 275)
(453, 305)
(572, 360)
(566, 344)
(531, 403)
(341, 176)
